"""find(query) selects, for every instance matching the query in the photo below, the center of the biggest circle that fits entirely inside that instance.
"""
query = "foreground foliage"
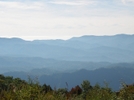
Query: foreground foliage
(17, 89)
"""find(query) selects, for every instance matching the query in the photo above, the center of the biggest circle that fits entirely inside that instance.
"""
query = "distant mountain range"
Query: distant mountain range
(35, 64)
(93, 58)
(117, 48)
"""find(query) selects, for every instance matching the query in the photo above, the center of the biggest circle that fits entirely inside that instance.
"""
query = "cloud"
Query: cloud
(73, 2)
(127, 2)
(21, 5)
(64, 18)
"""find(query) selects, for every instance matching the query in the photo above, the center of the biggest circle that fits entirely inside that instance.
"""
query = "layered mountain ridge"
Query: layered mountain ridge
(117, 48)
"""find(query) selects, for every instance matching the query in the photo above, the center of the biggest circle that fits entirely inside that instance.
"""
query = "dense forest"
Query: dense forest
(17, 89)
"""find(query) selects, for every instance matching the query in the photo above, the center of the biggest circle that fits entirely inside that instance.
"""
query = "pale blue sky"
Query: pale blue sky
(62, 19)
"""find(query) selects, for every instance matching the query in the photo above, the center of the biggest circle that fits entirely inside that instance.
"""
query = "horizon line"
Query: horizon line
(32, 38)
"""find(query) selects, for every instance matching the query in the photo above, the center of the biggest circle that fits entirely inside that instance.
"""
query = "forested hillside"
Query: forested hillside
(114, 76)
(17, 89)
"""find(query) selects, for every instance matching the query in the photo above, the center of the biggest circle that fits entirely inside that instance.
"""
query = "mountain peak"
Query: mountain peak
(11, 39)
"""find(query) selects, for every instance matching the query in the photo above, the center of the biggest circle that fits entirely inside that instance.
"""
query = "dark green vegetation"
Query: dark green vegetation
(17, 89)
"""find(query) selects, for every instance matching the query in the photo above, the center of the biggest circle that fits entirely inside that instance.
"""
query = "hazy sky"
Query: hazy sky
(45, 19)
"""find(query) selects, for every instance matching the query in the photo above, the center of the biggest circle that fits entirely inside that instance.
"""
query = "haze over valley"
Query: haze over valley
(95, 58)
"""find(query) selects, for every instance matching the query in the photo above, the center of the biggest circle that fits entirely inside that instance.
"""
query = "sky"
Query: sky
(63, 19)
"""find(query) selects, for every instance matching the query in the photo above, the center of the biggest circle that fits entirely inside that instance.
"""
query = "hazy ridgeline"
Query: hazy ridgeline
(95, 58)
